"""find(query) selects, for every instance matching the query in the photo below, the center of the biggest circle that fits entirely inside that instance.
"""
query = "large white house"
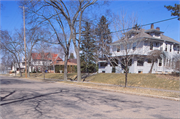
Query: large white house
(138, 45)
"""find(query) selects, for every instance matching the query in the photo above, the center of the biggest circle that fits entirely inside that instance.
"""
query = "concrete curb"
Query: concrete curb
(126, 92)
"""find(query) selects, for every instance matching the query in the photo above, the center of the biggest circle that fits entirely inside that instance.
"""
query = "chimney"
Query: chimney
(152, 26)
(158, 28)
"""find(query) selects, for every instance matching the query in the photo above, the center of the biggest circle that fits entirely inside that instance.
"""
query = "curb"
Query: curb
(104, 89)
(126, 92)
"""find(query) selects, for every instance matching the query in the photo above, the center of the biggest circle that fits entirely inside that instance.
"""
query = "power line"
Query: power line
(146, 24)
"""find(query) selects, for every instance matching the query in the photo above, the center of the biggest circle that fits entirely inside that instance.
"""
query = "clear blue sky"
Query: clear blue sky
(147, 12)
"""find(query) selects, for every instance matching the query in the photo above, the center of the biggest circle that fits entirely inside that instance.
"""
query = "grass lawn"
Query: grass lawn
(157, 81)
(138, 91)
(140, 80)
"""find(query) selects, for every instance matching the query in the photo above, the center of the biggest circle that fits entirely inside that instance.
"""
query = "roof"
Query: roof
(166, 38)
(132, 31)
(143, 34)
(72, 60)
(47, 56)
(153, 30)
(62, 63)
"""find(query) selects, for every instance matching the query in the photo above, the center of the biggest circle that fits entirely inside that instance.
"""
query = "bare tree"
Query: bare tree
(154, 56)
(127, 45)
(61, 13)
(12, 45)
(176, 60)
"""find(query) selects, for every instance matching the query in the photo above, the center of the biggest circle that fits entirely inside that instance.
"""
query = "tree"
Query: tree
(33, 36)
(125, 44)
(59, 14)
(176, 61)
(71, 56)
(154, 56)
(175, 11)
(11, 44)
(104, 37)
(87, 48)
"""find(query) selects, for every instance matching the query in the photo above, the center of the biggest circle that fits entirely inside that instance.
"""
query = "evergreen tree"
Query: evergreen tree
(175, 11)
(104, 37)
(87, 48)
(71, 56)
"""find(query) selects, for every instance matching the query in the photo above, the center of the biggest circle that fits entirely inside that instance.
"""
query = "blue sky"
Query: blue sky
(146, 11)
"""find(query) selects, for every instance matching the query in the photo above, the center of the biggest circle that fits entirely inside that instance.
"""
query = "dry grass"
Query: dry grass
(137, 91)
(139, 80)
(167, 82)
(53, 75)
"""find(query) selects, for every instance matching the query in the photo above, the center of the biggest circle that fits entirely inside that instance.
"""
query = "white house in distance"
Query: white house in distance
(142, 42)
(38, 62)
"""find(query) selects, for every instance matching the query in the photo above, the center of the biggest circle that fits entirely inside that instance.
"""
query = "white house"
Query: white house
(140, 43)
(38, 62)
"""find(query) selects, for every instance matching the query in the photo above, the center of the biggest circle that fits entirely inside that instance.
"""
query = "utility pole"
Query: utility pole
(24, 40)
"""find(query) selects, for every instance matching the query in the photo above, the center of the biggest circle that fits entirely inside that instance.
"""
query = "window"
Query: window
(114, 62)
(149, 60)
(114, 48)
(134, 46)
(166, 48)
(130, 62)
(39, 68)
(160, 62)
(151, 45)
(157, 44)
(146, 43)
(118, 48)
(140, 62)
(170, 48)
(103, 64)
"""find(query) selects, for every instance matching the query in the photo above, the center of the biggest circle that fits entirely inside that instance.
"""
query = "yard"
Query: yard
(157, 81)
(140, 80)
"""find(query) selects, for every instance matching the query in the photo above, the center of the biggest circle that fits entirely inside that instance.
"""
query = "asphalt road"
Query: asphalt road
(31, 99)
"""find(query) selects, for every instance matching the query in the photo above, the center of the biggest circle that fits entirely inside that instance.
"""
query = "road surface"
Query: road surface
(31, 99)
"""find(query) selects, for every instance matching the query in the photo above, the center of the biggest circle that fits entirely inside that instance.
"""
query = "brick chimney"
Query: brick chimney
(158, 28)
(152, 26)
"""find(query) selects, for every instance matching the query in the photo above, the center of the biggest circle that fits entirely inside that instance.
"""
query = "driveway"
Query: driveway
(31, 99)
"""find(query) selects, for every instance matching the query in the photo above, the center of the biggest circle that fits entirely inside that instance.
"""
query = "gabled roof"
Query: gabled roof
(143, 34)
(47, 56)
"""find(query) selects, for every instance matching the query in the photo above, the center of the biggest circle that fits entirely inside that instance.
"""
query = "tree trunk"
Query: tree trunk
(151, 67)
(54, 68)
(126, 74)
(28, 70)
(65, 67)
(78, 66)
(20, 70)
